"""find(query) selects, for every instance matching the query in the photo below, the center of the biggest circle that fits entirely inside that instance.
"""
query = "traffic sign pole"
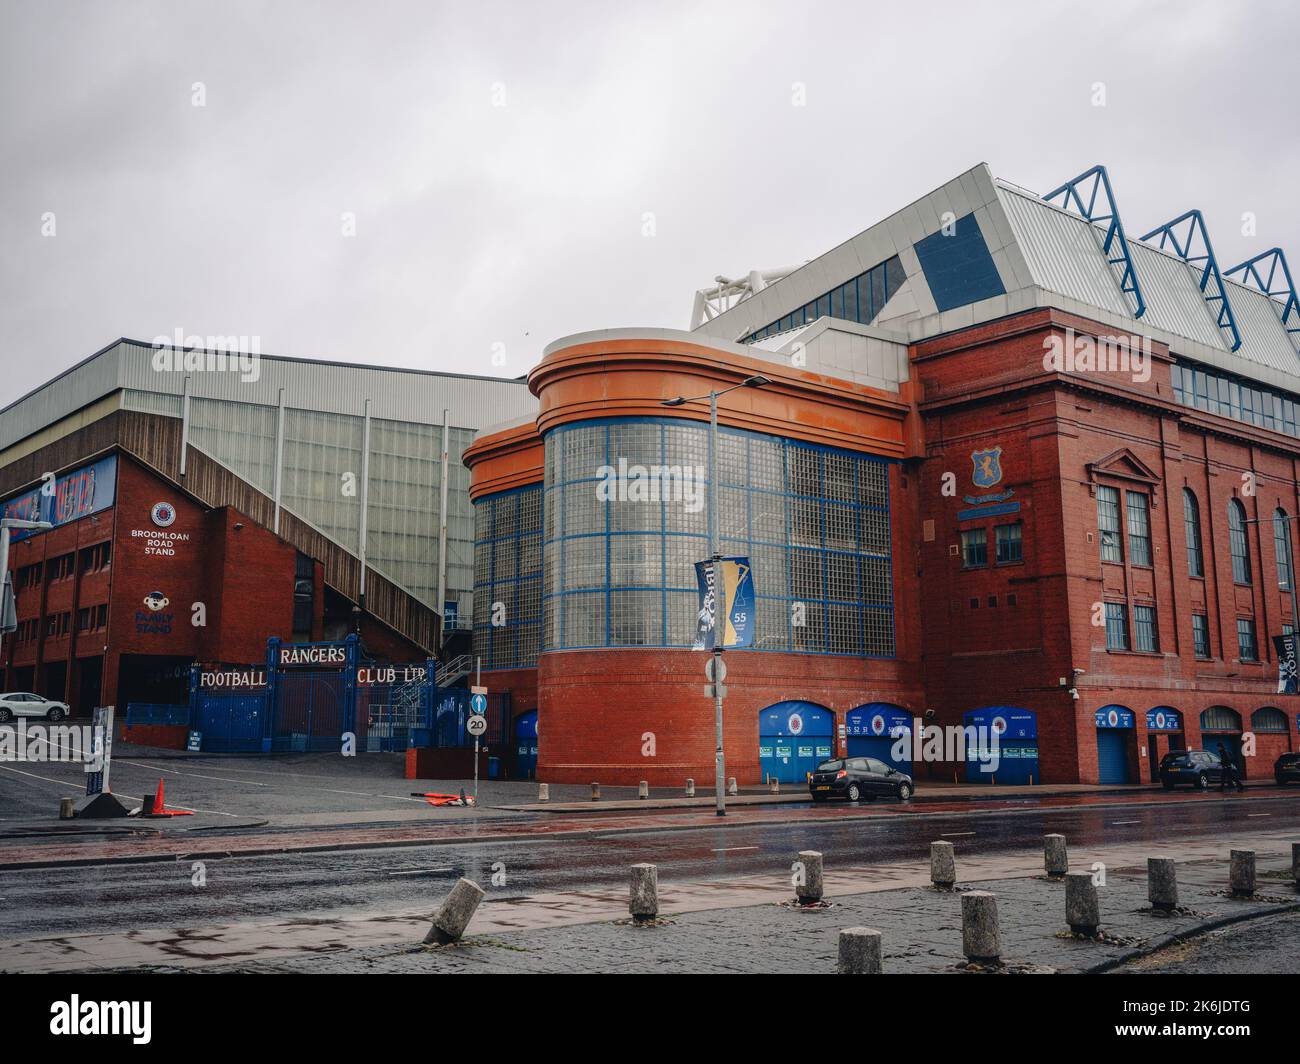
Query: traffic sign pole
(475, 695)
(719, 601)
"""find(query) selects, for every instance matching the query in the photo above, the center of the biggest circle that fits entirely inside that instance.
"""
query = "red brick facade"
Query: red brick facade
(1023, 633)
(228, 585)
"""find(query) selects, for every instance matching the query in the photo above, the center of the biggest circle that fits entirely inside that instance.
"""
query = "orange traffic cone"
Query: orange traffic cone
(160, 804)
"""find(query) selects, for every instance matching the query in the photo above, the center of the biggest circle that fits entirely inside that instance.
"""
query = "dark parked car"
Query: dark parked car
(1199, 768)
(858, 777)
(1287, 769)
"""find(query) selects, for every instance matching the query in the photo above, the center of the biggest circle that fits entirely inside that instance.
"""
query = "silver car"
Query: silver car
(25, 704)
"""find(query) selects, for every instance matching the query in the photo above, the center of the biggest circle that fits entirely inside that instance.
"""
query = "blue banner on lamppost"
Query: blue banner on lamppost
(736, 602)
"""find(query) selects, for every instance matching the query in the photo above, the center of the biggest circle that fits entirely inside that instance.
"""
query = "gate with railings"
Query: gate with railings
(308, 696)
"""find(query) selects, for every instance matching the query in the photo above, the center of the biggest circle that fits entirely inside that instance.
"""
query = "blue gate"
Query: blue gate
(307, 696)
(230, 723)
(526, 745)
(312, 711)
(1114, 727)
(874, 730)
(1004, 741)
(793, 738)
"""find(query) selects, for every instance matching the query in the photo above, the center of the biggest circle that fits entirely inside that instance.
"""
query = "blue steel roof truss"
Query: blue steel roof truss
(1268, 271)
(1082, 196)
(1201, 255)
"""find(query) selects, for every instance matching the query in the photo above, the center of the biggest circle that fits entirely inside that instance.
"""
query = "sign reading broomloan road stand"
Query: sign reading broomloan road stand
(737, 602)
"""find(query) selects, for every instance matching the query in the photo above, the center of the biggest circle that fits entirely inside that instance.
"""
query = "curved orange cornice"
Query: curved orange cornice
(501, 461)
(630, 378)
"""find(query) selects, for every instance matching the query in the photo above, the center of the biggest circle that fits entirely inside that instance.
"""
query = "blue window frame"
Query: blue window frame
(858, 299)
(1201, 635)
(814, 522)
(507, 578)
(1116, 626)
(1228, 396)
(1247, 647)
(1146, 636)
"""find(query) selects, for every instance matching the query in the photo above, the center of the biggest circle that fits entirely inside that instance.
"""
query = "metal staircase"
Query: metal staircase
(451, 671)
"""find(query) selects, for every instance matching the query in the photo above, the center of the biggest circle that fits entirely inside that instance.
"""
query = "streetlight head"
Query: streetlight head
(756, 381)
(678, 401)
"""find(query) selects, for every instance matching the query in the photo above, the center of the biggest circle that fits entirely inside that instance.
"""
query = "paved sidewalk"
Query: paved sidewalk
(743, 924)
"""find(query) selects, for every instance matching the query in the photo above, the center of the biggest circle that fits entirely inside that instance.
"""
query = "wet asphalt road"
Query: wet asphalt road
(313, 885)
(1264, 947)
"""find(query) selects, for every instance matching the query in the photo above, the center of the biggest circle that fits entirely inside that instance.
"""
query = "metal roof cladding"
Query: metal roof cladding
(1047, 255)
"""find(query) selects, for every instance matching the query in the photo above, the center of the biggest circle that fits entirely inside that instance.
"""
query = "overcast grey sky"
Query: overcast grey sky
(481, 224)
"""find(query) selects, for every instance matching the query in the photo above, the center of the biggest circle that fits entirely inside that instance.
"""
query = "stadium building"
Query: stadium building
(205, 501)
(997, 461)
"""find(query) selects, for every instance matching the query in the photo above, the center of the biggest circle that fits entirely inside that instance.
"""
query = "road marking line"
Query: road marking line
(421, 871)
(196, 775)
(48, 779)
(1259, 814)
(953, 834)
(1118, 823)
(729, 849)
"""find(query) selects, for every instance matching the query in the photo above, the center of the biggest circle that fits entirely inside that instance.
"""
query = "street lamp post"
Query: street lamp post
(5, 525)
(715, 565)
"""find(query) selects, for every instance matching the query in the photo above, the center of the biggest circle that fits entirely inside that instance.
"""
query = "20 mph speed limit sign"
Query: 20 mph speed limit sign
(476, 725)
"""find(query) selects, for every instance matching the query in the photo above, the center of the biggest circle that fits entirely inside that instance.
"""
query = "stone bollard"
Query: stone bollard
(1241, 873)
(67, 808)
(943, 865)
(643, 895)
(543, 792)
(1162, 883)
(980, 941)
(859, 951)
(690, 788)
(456, 912)
(1082, 910)
(808, 886)
(774, 786)
(643, 789)
(1056, 860)
(732, 789)
(595, 792)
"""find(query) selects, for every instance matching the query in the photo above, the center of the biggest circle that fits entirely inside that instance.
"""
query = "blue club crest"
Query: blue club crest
(988, 467)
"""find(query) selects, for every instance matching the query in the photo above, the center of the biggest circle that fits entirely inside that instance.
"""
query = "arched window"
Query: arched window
(1282, 546)
(1220, 719)
(1192, 528)
(1237, 542)
(1268, 719)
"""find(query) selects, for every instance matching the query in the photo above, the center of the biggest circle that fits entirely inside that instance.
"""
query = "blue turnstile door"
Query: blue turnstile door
(526, 745)
(1112, 755)
(793, 738)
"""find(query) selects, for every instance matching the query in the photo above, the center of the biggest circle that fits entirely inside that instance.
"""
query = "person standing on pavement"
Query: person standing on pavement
(1229, 773)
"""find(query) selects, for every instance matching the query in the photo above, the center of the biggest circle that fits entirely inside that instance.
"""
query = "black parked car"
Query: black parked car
(858, 777)
(1199, 768)
(1287, 769)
